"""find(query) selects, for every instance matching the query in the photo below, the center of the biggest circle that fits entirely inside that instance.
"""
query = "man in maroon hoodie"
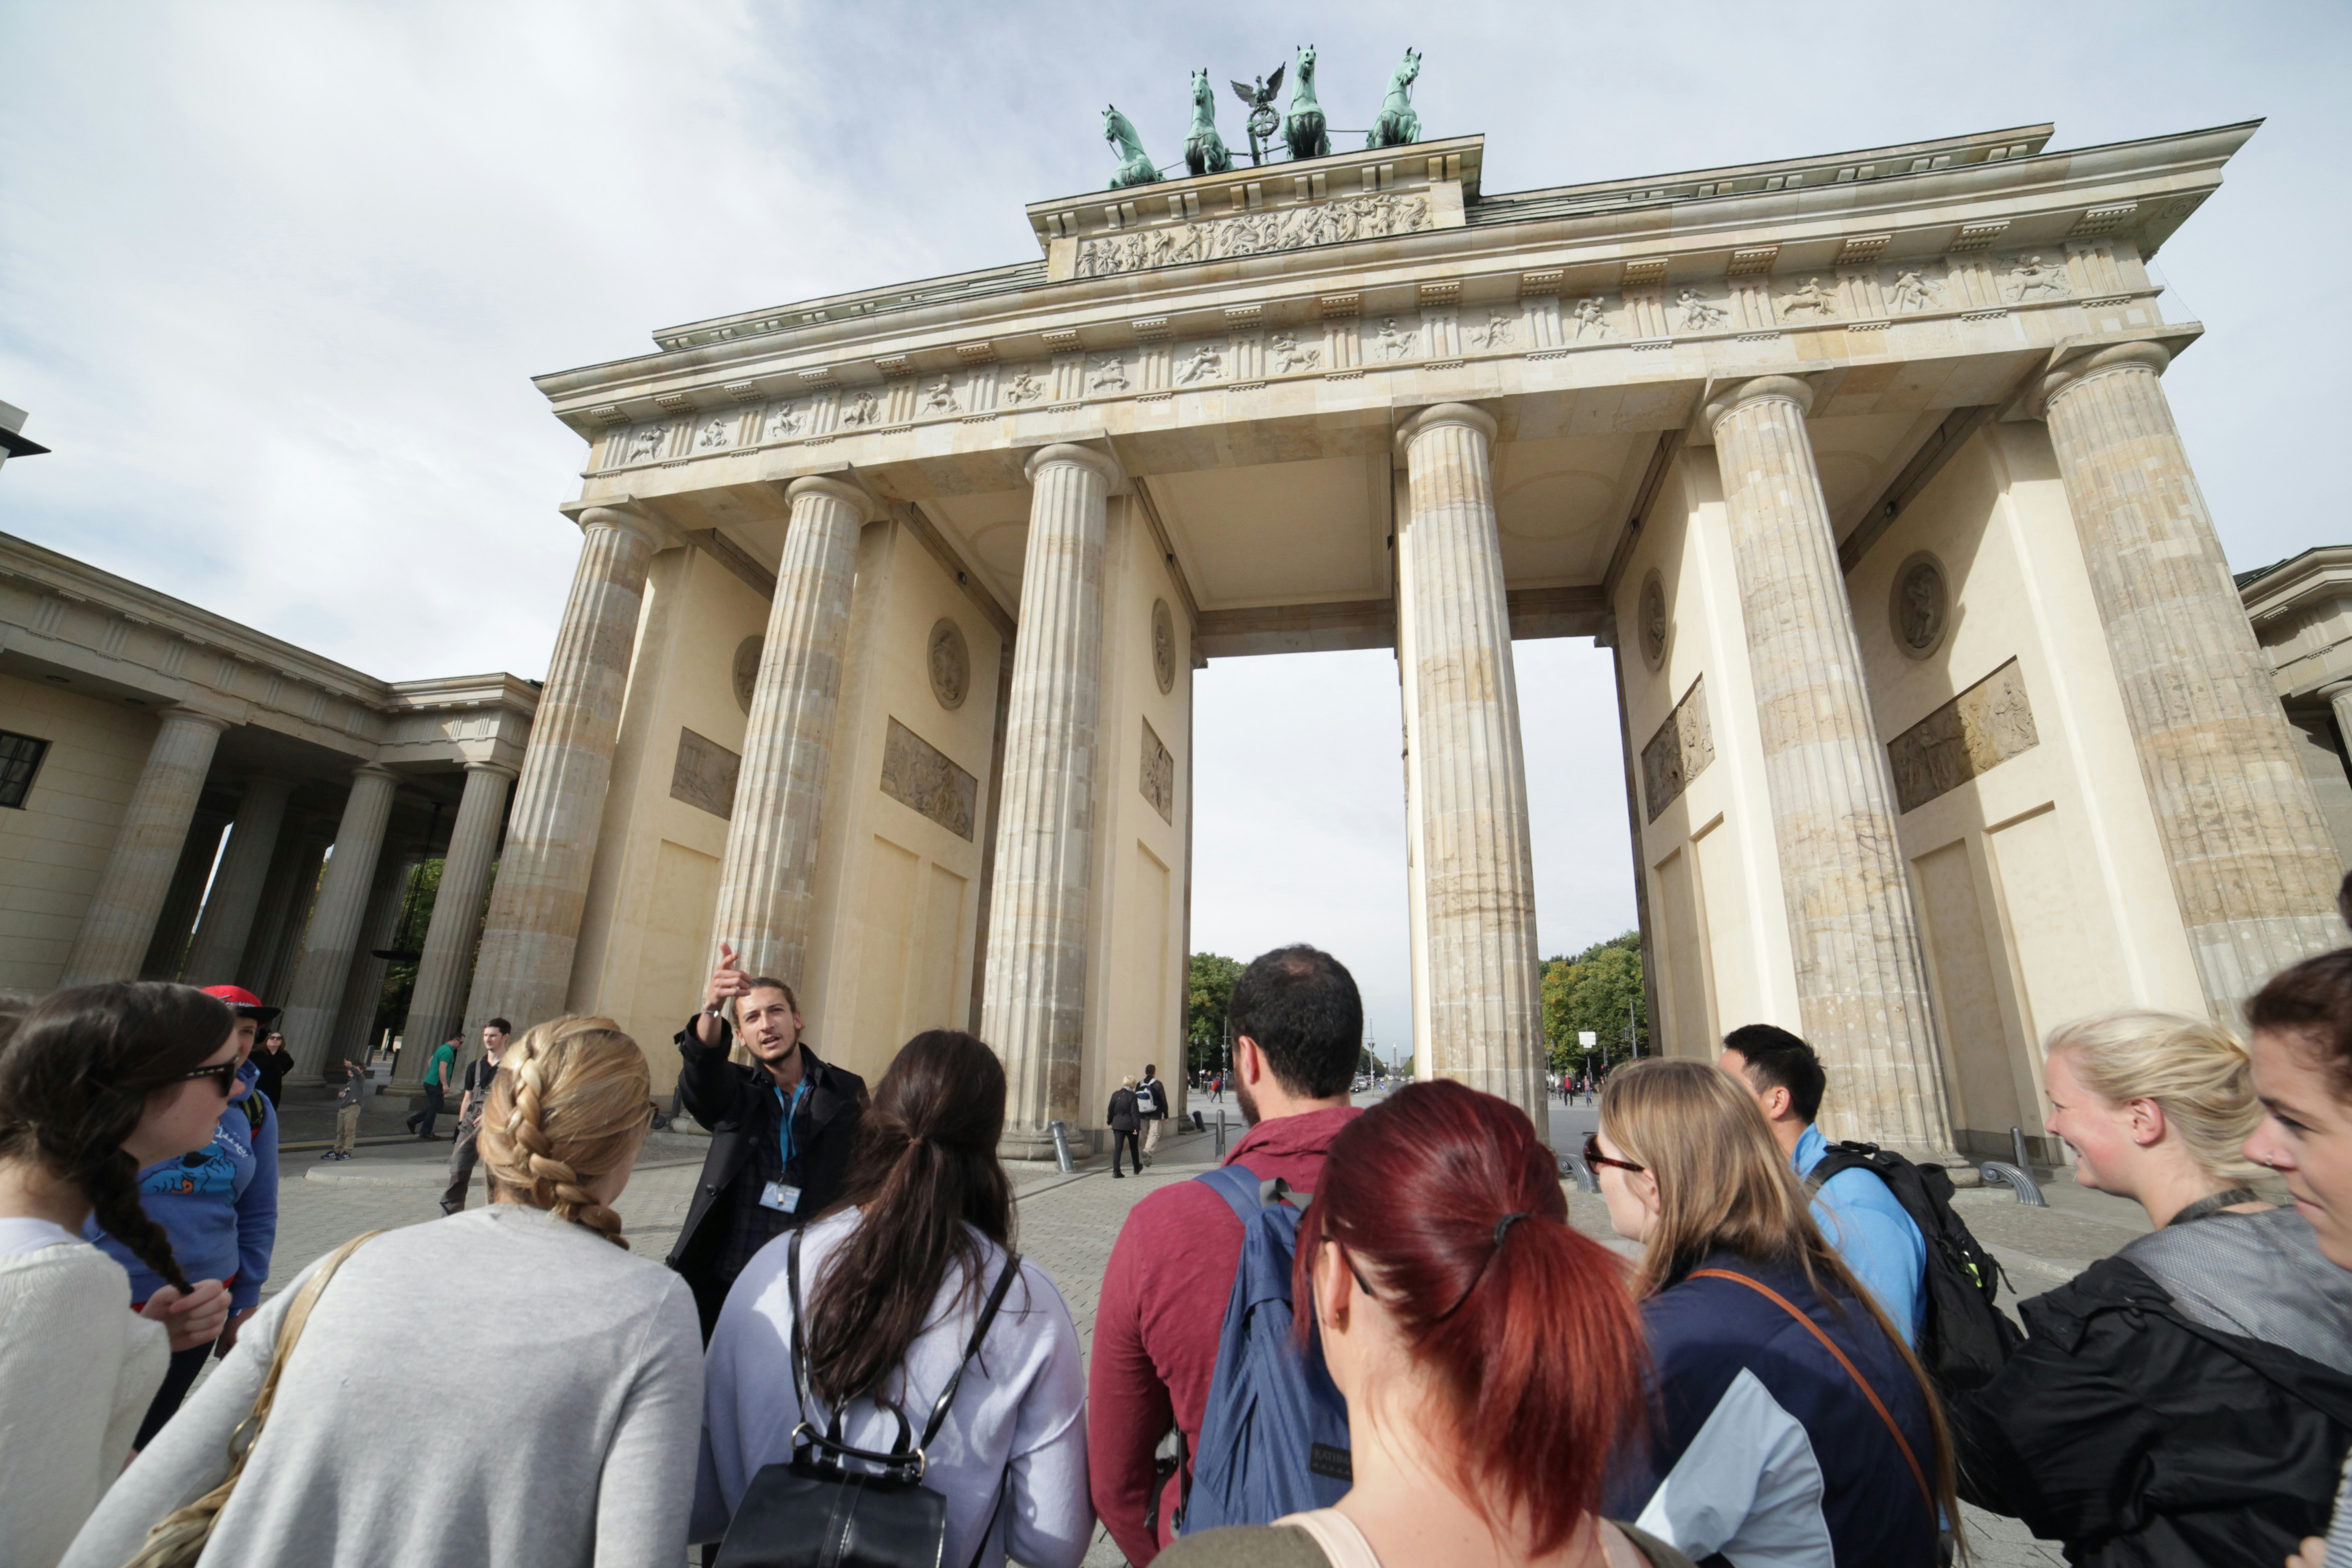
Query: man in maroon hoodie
(1298, 1028)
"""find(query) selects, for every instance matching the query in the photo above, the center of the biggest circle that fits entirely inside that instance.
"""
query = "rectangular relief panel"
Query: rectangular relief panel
(921, 777)
(705, 774)
(1679, 751)
(1159, 774)
(1973, 733)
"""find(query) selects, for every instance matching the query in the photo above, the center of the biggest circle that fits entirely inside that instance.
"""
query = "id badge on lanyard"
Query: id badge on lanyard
(777, 1194)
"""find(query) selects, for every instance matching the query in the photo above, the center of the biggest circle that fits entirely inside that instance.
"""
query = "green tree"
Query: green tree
(1209, 995)
(1596, 990)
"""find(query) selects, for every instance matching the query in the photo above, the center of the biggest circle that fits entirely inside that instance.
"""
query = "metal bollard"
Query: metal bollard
(1062, 1146)
(1199, 1125)
(2000, 1172)
(2017, 1148)
(1570, 1166)
(1221, 1134)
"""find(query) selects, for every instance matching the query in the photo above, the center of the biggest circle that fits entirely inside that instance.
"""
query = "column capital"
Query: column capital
(504, 770)
(374, 771)
(1102, 463)
(1738, 395)
(182, 713)
(841, 490)
(645, 527)
(1444, 414)
(2152, 357)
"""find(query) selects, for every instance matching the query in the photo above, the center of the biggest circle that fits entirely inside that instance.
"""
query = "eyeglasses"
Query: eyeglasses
(222, 1074)
(1594, 1159)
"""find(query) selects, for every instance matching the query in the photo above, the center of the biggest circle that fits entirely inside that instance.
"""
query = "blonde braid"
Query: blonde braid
(568, 1107)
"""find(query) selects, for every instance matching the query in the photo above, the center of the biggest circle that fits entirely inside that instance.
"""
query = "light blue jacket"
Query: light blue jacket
(219, 1206)
(1879, 1241)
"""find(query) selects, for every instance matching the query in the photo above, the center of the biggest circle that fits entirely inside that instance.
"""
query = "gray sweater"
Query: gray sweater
(498, 1386)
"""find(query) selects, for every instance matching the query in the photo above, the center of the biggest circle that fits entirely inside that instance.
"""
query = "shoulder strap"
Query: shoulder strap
(1342, 1542)
(1926, 1492)
(979, 1332)
(1238, 1187)
(1835, 1161)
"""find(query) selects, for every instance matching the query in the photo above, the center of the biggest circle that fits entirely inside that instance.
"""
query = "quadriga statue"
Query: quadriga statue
(1398, 124)
(1135, 167)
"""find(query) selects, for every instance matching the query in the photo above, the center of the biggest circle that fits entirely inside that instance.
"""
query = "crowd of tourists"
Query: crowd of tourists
(1370, 1335)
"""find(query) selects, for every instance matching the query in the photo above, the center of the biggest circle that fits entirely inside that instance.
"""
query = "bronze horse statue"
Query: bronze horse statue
(1204, 149)
(1398, 124)
(1305, 128)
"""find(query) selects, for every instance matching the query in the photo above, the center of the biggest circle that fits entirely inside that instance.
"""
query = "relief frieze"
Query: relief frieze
(921, 777)
(704, 773)
(1678, 752)
(1973, 733)
(1157, 780)
(1253, 233)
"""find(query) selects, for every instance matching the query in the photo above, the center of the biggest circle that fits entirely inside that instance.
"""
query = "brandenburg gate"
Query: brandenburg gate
(1941, 720)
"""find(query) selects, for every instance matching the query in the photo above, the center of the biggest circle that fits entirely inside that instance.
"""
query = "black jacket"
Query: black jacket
(726, 1098)
(2132, 1427)
(1123, 1117)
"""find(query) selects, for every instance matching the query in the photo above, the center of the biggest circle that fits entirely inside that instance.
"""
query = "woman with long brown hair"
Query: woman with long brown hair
(1798, 1428)
(894, 1279)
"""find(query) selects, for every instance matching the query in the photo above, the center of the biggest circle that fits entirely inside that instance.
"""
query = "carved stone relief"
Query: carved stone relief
(1920, 608)
(862, 410)
(646, 445)
(2035, 279)
(921, 777)
(1253, 233)
(950, 664)
(717, 433)
(1288, 355)
(1653, 624)
(1913, 290)
(1158, 775)
(1164, 645)
(1812, 302)
(1589, 319)
(1973, 733)
(704, 775)
(1698, 314)
(747, 670)
(1023, 388)
(1678, 752)
(1499, 332)
(1205, 363)
(1393, 345)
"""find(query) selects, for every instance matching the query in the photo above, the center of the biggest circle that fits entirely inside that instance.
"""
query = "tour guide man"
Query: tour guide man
(780, 1128)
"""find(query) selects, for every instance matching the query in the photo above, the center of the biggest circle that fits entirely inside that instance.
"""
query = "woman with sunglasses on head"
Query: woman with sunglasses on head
(1798, 1428)
(568, 1435)
(95, 1082)
(1490, 1356)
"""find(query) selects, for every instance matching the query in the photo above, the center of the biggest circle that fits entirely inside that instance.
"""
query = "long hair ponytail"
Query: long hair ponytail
(74, 1080)
(1445, 1203)
(923, 1168)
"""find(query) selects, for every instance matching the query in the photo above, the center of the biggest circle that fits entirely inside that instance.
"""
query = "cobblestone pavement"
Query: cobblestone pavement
(1067, 1223)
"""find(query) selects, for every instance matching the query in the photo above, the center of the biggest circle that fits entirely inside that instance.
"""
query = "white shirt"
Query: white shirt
(1018, 1419)
(27, 1234)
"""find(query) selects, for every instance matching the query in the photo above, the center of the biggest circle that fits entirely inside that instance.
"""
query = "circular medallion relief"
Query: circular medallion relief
(1164, 645)
(1653, 627)
(950, 664)
(1921, 606)
(747, 669)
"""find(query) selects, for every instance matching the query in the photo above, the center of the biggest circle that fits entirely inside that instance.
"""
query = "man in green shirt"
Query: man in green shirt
(438, 1068)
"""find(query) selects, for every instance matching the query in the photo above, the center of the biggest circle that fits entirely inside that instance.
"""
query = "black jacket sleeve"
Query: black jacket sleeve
(708, 1084)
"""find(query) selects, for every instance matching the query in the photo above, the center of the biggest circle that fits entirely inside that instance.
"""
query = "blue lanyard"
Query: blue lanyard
(784, 1138)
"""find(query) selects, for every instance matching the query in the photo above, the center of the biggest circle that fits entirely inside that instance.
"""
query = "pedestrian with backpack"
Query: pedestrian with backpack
(1795, 1425)
(2189, 1399)
(1488, 1353)
(1180, 1318)
(892, 1372)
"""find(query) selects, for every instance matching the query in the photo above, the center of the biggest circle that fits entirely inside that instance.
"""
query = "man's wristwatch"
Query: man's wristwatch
(717, 1009)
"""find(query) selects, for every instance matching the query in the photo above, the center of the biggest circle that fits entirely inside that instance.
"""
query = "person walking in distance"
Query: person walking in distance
(1124, 1120)
(95, 1083)
(782, 1125)
(570, 1438)
(272, 1060)
(438, 1067)
(1299, 1024)
(479, 1074)
(348, 1101)
(1151, 1104)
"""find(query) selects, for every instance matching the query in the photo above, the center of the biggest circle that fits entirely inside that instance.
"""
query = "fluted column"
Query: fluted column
(167, 950)
(2252, 861)
(334, 930)
(767, 884)
(1478, 871)
(355, 1026)
(276, 949)
(228, 920)
(435, 1007)
(120, 921)
(1035, 1008)
(525, 967)
(1861, 976)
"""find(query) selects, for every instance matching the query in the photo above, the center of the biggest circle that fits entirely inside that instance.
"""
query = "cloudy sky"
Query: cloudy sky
(273, 279)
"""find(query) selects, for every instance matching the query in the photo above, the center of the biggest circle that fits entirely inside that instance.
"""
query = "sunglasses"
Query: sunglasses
(1594, 1159)
(222, 1074)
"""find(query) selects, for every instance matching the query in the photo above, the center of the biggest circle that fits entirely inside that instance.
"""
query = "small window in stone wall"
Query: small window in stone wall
(20, 759)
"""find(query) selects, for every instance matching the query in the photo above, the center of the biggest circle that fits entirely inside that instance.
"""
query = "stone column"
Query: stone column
(2250, 857)
(227, 921)
(525, 967)
(120, 921)
(1478, 871)
(766, 886)
(1034, 1006)
(327, 946)
(1862, 979)
(436, 1007)
(277, 945)
(168, 948)
(354, 1028)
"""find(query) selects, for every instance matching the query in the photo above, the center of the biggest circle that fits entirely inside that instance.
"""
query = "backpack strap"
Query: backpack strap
(979, 1332)
(1238, 1187)
(1925, 1493)
(1835, 1161)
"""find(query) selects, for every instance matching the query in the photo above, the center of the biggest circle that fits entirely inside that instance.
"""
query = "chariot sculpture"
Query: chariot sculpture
(1305, 131)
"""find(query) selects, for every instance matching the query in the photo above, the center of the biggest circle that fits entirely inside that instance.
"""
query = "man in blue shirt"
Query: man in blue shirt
(1856, 1213)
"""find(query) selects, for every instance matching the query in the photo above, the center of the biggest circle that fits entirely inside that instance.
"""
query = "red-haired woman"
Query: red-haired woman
(1480, 1343)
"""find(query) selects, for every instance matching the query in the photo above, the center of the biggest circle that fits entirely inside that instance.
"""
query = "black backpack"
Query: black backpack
(1963, 1337)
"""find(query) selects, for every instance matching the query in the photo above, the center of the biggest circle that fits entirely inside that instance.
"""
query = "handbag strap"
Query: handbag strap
(1852, 1371)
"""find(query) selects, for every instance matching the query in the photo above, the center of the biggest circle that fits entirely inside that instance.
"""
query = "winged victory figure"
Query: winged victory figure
(1264, 118)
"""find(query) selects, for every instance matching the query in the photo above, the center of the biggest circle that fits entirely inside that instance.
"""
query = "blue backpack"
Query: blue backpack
(1274, 1439)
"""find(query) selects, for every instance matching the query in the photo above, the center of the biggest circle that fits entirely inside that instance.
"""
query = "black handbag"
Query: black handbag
(813, 1512)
